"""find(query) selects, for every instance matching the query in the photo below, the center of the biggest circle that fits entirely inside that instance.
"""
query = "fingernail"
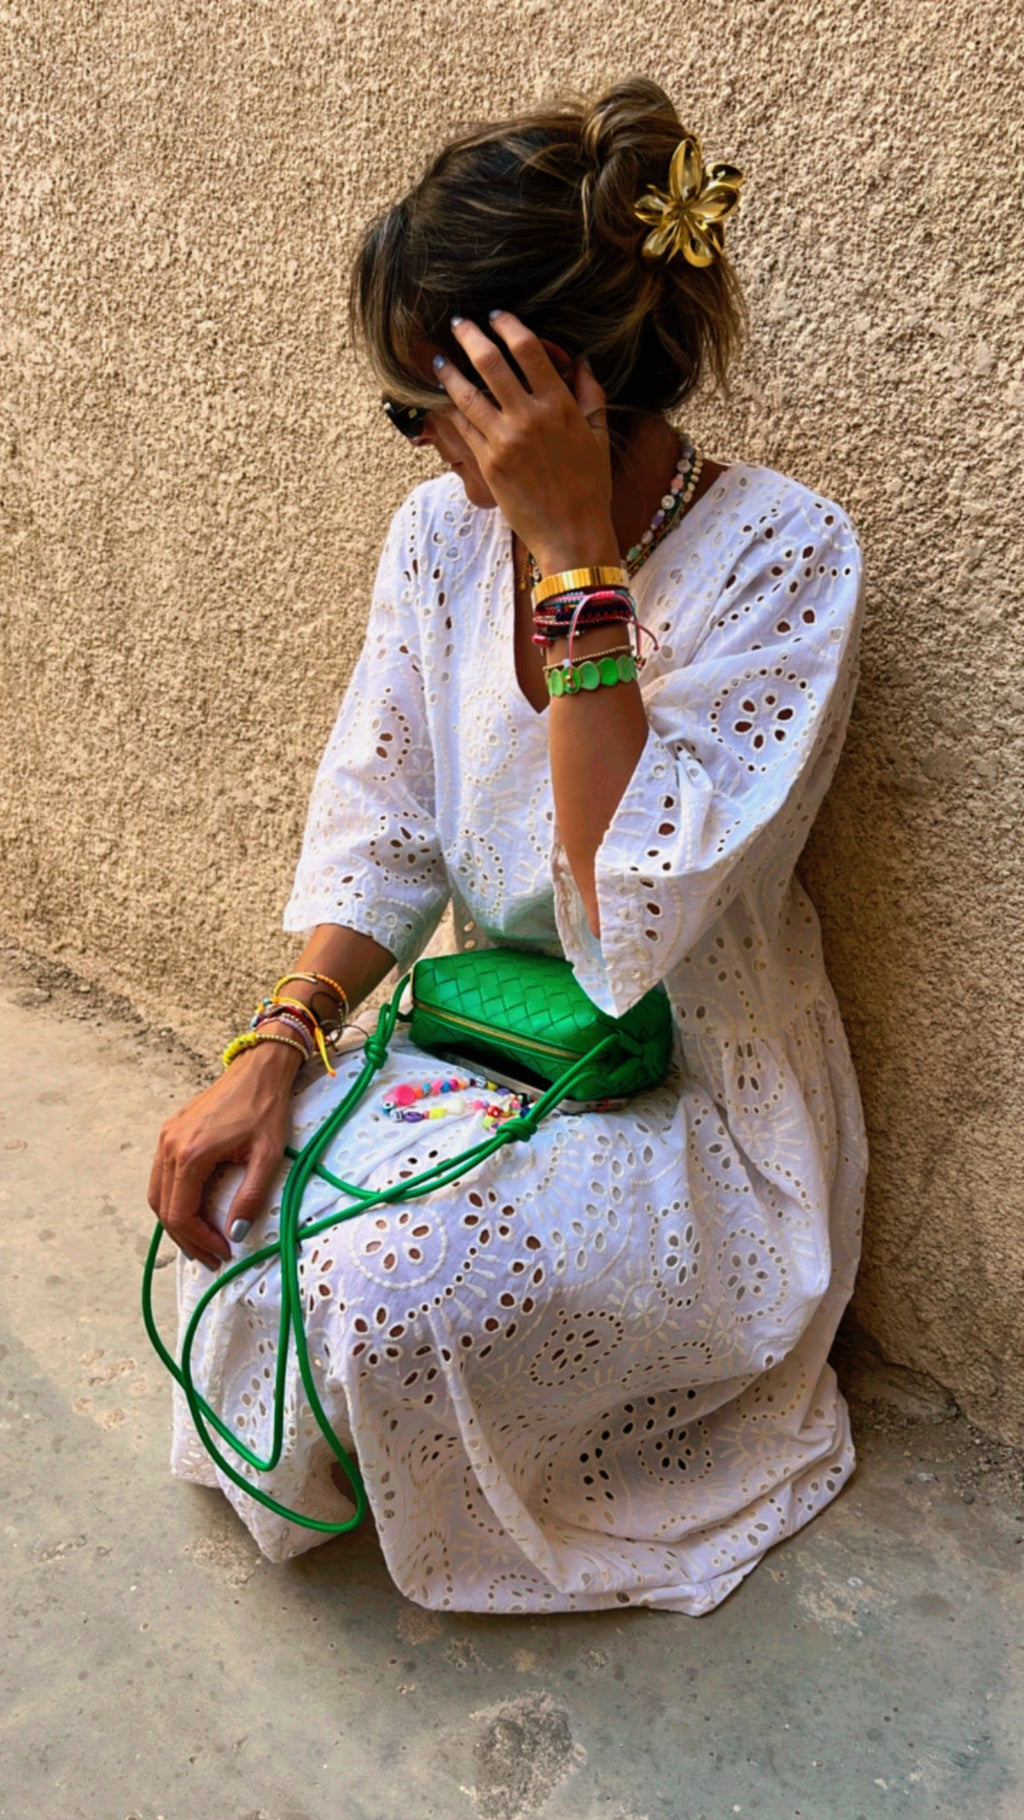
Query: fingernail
(457, 321)
(491, 314)
(439, 362)
(239, 1229)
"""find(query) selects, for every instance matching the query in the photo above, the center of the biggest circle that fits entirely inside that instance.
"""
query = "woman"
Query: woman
(594, 1371)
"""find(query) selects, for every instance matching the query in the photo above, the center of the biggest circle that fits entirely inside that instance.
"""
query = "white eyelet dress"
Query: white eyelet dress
(594, 1372)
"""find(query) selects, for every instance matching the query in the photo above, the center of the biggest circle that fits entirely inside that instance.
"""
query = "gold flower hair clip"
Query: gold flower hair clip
(691, 218)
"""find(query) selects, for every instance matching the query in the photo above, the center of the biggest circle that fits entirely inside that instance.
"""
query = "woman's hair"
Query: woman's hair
(535, 215)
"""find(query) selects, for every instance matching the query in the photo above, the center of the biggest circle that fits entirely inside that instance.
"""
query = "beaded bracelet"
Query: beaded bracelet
(291, 1023)
(592, 657)
(304, 1012)
(408, 1092)
(561, 607)
(277, 1012)
(402, 1103)
(249, 1040)
(590, 623)
(584, 613)
(590, 611)
(295, 1005)
(319, 1034)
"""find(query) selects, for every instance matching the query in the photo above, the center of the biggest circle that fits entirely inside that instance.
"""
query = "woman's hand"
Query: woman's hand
(242, 1118)
(543, 452)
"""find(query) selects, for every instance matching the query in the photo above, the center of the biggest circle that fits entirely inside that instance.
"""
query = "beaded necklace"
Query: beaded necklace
(671, 507)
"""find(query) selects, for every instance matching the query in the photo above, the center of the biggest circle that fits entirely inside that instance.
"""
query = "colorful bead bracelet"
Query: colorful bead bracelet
(588, 610)
(293, 1011)
(612, 651)
(591, 612)
(301, 1030)
(310, 1031)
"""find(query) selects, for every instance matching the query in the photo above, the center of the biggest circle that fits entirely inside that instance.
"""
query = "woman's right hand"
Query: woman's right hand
(241, 1118)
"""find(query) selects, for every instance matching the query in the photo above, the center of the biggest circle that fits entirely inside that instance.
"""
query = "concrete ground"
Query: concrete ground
(157, 1668)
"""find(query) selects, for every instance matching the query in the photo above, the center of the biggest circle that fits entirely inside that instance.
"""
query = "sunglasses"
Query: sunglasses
(408, 419)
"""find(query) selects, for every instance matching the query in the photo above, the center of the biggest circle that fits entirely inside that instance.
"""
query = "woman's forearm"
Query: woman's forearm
(355, 962)
(243, 1116)
(595, 741)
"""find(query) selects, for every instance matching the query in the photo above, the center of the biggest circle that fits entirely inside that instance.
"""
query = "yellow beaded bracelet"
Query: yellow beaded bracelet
(249, 1040)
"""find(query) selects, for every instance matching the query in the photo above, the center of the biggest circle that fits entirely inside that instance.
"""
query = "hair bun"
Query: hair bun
(539, 213)
(623, 119)
(627, 138)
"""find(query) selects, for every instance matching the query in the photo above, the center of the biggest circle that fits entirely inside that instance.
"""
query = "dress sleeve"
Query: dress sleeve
(371, 857)
(742, 744)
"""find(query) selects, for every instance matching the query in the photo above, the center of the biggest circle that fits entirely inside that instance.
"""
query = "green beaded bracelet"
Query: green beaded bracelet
(591, 673)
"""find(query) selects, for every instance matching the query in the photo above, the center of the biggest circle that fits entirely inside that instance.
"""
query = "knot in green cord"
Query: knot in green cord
(514, 1128)
(375, 1050)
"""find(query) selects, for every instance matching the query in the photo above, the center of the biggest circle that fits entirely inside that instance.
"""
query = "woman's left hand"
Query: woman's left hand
(543, 453)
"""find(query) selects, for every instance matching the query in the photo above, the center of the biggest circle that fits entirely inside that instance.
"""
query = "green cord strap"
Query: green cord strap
(292, 1234)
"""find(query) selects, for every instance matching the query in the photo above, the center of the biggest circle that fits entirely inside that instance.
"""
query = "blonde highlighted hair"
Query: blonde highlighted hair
(536, 215)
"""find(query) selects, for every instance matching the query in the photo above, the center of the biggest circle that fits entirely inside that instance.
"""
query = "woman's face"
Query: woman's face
(440, 433)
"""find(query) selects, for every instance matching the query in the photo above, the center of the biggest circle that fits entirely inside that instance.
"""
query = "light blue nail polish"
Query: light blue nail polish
(439, 362)
(491, 314)
(457, 321)
(239, 1229)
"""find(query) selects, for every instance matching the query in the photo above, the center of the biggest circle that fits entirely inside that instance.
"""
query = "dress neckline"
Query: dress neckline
(508, 586)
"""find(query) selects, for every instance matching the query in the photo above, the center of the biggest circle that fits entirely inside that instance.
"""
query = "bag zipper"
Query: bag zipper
(488, 1030)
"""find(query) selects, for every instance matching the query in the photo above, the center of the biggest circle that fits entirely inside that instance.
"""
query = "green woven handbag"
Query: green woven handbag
(526, 1016)
(517, 1015)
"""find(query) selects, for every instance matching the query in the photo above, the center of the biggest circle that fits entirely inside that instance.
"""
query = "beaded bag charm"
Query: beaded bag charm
(403, 1103)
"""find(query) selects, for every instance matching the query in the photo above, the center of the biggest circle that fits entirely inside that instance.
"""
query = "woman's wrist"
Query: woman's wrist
(272, 1059)
(578, 548)
(292, 1027)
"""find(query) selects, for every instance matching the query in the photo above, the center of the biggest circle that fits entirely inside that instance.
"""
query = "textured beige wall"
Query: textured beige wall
(195, 486)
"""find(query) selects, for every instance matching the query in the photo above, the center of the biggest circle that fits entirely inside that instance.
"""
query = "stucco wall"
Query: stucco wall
(195, 484)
